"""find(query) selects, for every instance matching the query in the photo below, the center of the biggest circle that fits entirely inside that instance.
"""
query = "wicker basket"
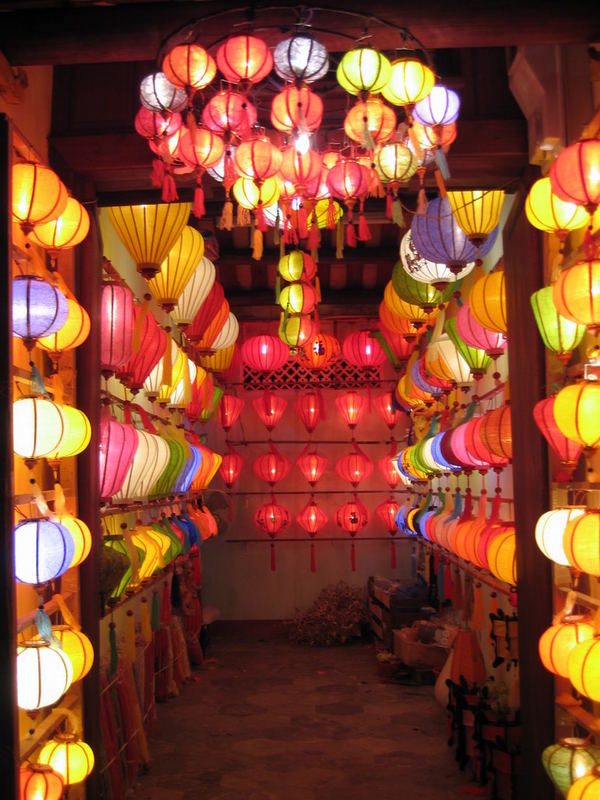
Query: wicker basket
(417, 654)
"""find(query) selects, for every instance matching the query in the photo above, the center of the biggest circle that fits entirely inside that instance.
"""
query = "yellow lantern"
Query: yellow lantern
(77, 434)
(501, 556)
(547, 212)
(549, 532)
(149, 232)
(584, 668)
(487, 301)
(151, 550)
(195, 293)
(558, 641)
(581, 542)
(38, 427)
(167, 389)
(77, 647)
(410, 81)
(38, 195)
(177, 269)
(577, 413)
(251, 195)
(415, 314)
(363, 70)
(477, 212)
(64, 232)
(576, 294)
(180, 397)
(162, 540)
(44, 674)
(73, 333)
(219, 361)
(69, 756)
(82, 537)
(587, 787)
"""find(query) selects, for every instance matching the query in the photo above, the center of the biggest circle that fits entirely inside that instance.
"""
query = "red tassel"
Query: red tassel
(364, 234)
(158, 172)
(388, 205)
(393, 554)
(273, 565)
(169, 190)
(448, 581)
(302, 222)
(260, 218)
(313, 235)
(196, 567)
(350, 235)
(331, 214)
(165, 606)
(353, 557)
(313, 566)
(198, 209)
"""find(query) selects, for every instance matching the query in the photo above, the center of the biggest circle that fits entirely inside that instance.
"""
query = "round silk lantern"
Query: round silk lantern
(38, 309)
(581, 542)
(158, 94)
(370, 122)
(501, 556)
(269, 408)
(394, 163)
(38, 427)
(244, 59)
(72, 334)
(475, 335)
(354, 467)
(229, 112)
(575, 174)
(117, 447)
(264, 353)
(68, 755)
(296, 330)
(496, 432)
(439, 107)
(487, 301)
(559, 334)
(301, 59)
(577, 413)
(209, 466)
(38, 195)
(566, 450)
(44, 674)
(425, 271)
(477, 447)
(568, 761)
(177, 269)
(298, 298)
(229, 410)
(43, 549)
(410, 81)
(252, 195)
(587, 787)
(348, 180)
(312, 466)
(362, 350)
(116, 326)
(416, 292)
(547, 212)
(352, 516)
(297, 266)
(584, 668)
(321, 351)
(76, 436)
(40, 782)
(557, 642)
(64, 232)
(296, 108)
(549, 532)
(477, 212)
(81, 535)
(309, 409)
(77, 647)
(257, 159)
(576, 294)
(231, 467)
(352, 406)
(189, 67)
(363, 70)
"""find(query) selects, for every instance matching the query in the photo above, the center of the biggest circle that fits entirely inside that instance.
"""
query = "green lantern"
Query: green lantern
(477, 359)
(208, 412)
(417, 292)
(118, 543)
(569, 760)
(559, 334)
(416, 457)
(179, 453)
(176, 547)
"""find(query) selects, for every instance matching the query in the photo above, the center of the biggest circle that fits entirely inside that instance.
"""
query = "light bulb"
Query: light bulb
(302, 143)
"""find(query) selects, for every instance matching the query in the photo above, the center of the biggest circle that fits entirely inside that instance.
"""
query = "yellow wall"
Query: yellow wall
(33, 116)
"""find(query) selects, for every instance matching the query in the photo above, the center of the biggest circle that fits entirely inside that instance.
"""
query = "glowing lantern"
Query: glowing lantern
(194, 294)
(244, 59)
(387, 513)
(577, 413)
(296, 108)
(570, 760)
(264, 353)
(394, 321)
(66, 231)
(487, 301)
(581, 542)
(410, 81)
(557, 642)
(312, 466)
(416, 292)
(231, 467)
(77, 647)
(189, 67)
(588, 786)
(177, 269)
(312, 518)
(229, 112)
(73, 333)
(68, 755)
(477, 447)
(224, 338)
(257, 159)
(154, 126)
(116, 326)
(272, 518)
(300, 58)
(559, 334)
(549, 533)
(300, 168)
(158, 94)
(149, 232)
(477, 212)
(501, 557)
(477, 360)
(309, 410)
(188, 473)
(347, 180)
(270, 408)
(211, 462)
(40, 782)
(212, 307)
(153, 342)
(117, 447)
(38, 195)
(394, 163)
(352, 407)
(363, 70)
(221, 361)
(230, 409)
(150, 553)
(575, 175)
(439, 107)
(584, 668)
(321, 351)
(76, 436)
(296, 330)
(425, 271)
(354, 467)
(296, 266)
(298, 298)
(401, 346)
(362, 350)
(44, 674)
(547, 212)
(496, 432)
(370, 122)
(576, 294)
(149, 462)
(38, 309)
(567, 451)
(251, 195)
(43, 550)
(352, 517)
(387, 411)
(475, 335)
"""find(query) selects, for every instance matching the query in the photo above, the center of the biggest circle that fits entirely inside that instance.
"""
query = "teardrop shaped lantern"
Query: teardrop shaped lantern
(321, 351)
(229, 112)
(213, 306)
(271, 467)
(312, 465)
(264, 353)
(384, 406)
(362, 350)
(38, 309)
(559, 334)
(72, 334)
(566, 450)
(388, 468)
(425, 271)
(116, 326)
(66, 231)
(387, 513)
(269, 408)
(475, 335)
(44, 674)
(209, 466)
(43, 550)
(370, 122)
(439, 107)
(296, 108)
(477, 212)
(301, 59)
(231, 467)
(158, 94)
(352, 406)
(177, 269)
(571, 760)
(230, 409)
(477, 359)
(363, 70)
(189, 67)
(547, 212)
(581, 542)
(194, 294)
(149, 462)
(487, 301)
(244, 59)
(152, 346)
(410, 81)
(354, 467)
(309, 410)
(576, 294)
(38, 195)
(116, 449)
(577, 413)
(149, 232)
(312, 518)
(575, 174)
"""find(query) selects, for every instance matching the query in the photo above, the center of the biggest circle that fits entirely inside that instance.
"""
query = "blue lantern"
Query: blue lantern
(43, 550)
(38, 308)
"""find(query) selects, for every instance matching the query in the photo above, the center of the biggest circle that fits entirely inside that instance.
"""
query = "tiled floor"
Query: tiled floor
(271, 720)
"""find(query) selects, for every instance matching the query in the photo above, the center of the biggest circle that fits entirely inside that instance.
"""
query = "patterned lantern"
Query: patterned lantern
(264, 353)
(477, 360)
(231, 467)
(309, 408)
(38, 309)
(43, 550)
(363, 70)
(300, 59)
(40, 782)
(116, 326)
(177, 269)
(387, 411)
(581, 542)
(153, 342)
(425, 271)
(477, 212)
(570, 760)
(352, 516)
(566, 450)
(296, 108)
(230, 409)
(410, 81)
(189, 67)
(559, 334)
(38, 195)
(487, 301)
(321, 351)
(475, 335)
(312, 466)
(417, 292)
(117, 447)
(370, 122)
(44, 674)
(229, 112)
(194, 294)
(576, 294)
(158, 94)
(298, 298)
(69, 756)
(66, 231)
(244, 59)
(547, 212)
(72, 334)
(352, 407)
(557, 642)
(394, 163)
(575, 175)
(257, 159)
(270, 408)
(296, 330)
(362, 350)
(439, 107)
(354, 467)
(584, 666)
(549, 532)
(577, 413)
(296, 266)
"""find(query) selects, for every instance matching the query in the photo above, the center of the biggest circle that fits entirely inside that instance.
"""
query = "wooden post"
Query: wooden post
(9, 731)
(524, 270)
(88, 283)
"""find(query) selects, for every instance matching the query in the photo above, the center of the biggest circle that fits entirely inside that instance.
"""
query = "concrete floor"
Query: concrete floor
(271, 720)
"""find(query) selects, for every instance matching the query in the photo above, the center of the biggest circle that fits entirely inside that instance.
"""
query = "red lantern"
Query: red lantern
(211, 306)
(348, 180)
(264, 353)
(189, 66)
(312, 519)
(352, 407)
(352, 517)
(230, 409)
(477, 447)
(312, 466)
(257, 159)
(244, 59)
(321, 351)
(362, 350)
(309, 408)
(116, 326)
(296, 108)
(229, 112)
(400, 345)
(354, 467)
(202, 397)
(270, 408)
(271, 467)
(272, 518)
(117, 447)
(204, 345)
(384, 405)
(153, 125)
(387, 467)
(300, 168)
(152, 344)
(566, 450)
(230, 468)
(575, 175)
(387, 512)
(496, 432)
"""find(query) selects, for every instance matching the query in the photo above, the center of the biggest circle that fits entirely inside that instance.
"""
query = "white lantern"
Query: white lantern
(301, 58)
(426, 271)
(195, 293)
(549, 531)
(44, 674)
(228, 334)
(149, 462)
(158, 94)
(38, 427)
(153, 382)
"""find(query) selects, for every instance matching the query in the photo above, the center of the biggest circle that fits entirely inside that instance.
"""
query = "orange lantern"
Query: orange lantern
(557, 642)
(40, 782)
(244, 59)
(370, 122)
(257, 159)
(321, 351)
(575, 175)
(576, 294)
(38, 195)
(231, 467)
(431, 136)
(581, 542)
(296, 108)
(300, 168)
(496, 432)
(487, 302)
(501, 556)
(66, 231)
(208, 467)
(189, 67)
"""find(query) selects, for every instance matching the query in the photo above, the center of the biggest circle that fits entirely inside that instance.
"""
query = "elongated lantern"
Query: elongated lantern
(177, 268)
(230, 409)
(152, 345)
(352, 406)
(309, 410)
(117, 319)
(566, 450)
(150, 459)
(194, 294)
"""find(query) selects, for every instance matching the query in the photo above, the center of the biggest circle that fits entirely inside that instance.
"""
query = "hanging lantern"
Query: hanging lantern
(439, 107)
(211, 462)
(158, 94)
(559, 334)
(321, 351)
(425, 271)
(547, 212)
(566, 450)
(501, 557)
(394, 163)
(229, 112)
(393, 321)
(577, 413)
(224, 338)
(583, 664)
(496, 432)
(309, 410)
(588, 786)
(43, 550)
(362, 350)
(264, 353)
(44, 674)
(77, 647)
(300, 168)
(312, 466)
(68, 755)
(272, 518)
(352, 407)
(149, 232)
(348, 180)
(581, 542)
(257, 159)
(477, 212)
(388, 468)
(354, 467)
(487, 301)
(569, 760)
(296, 266)
(370, 122)
(312, 518)
(251, 195)
(156, 127)
(477, 447)
(575, 174)
(417, 292)
(298, 298)
(116, 450)
(549, 532)
(221, 362)
(214, 306)
(81, 535)
(576, 294)
(363, 70)
(557, 642)
(244, 59)
(444, 360)
(178, 268)
(387, 513)
(194, 294)
(231, 467)
(477, 360)
(475, 335)
(116, 326)
(38, 309)
(38, 195)
(72, 334)
(431, 138)
(152, 345)
(400, 346)
(189, 67)
(66, 231)
(296, 108)
(230, 409)
(40, 782)
(296, 330)
(352, 516)
(410, 81)
(149, 462)
(384, 406)
(301, 59)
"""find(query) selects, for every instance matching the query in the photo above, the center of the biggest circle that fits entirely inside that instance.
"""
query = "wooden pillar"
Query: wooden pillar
(527, 376)
(88, 290)
(9, 731)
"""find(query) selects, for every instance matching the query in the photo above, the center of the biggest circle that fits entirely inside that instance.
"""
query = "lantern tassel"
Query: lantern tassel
(158, 173)
(59, 500)
(37, 382)
(273, 563)
(302, 217)
(44, 628)
(198, 209)
(439, 179)
(350, 234)
(339, 240)
(353, 557)
(442, 163)
(313, 565)
(415, 142)
(330, 214)
(364, 234)
(388, 205)
(243, 217)
(367, 139)
(375, 185)
(277, 287)
(276, 229)
(393, 554)
(169, 190)
(225, 222)
(260, 218)
(397, 215)
(257, 244)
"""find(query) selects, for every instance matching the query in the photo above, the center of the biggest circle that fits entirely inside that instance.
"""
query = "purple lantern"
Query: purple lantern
(38, 308)
(440, 107)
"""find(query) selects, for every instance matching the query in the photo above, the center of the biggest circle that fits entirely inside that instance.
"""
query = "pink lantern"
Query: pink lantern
(475, 335)
(362, 350)
(265, 353)
(117, 446)
(117, 318)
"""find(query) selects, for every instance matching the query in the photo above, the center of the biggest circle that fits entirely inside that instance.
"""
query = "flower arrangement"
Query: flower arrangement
(338, 615)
